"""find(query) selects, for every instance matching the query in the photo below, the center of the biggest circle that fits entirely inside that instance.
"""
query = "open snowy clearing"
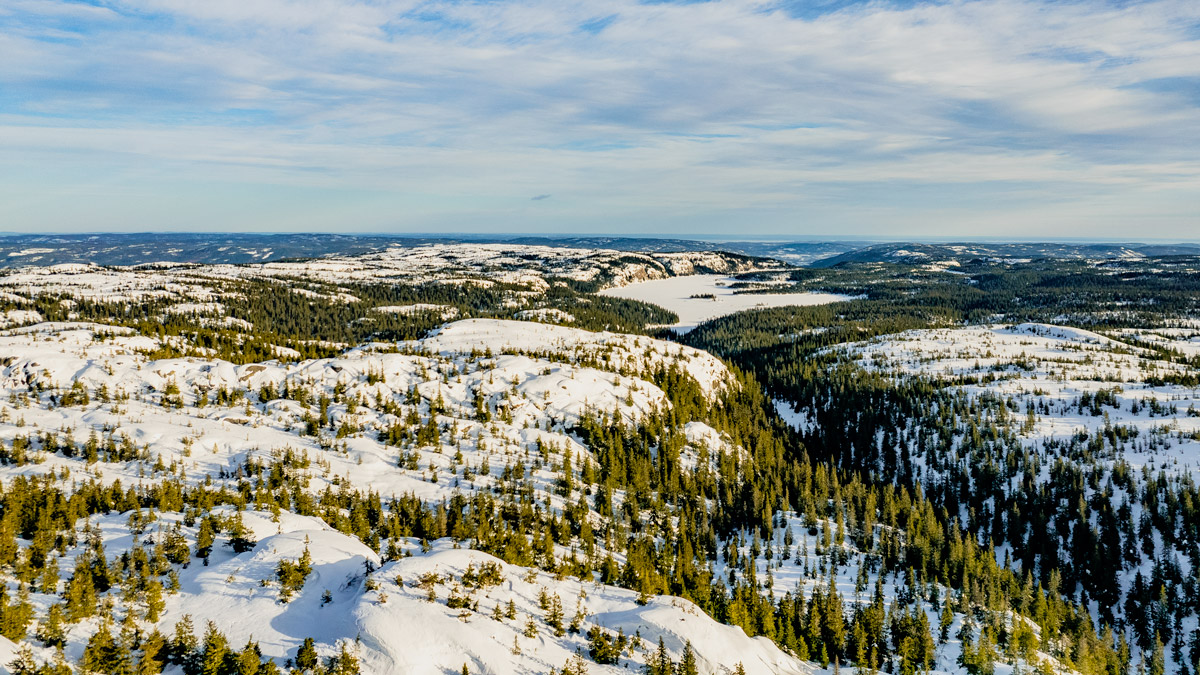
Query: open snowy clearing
(681, 295)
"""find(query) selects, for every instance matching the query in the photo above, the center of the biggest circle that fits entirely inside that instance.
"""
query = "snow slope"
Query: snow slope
(498, 394)
(533, 373)
(1053, 367)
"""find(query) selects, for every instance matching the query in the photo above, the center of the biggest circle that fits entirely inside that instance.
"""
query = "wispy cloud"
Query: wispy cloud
(764, 115)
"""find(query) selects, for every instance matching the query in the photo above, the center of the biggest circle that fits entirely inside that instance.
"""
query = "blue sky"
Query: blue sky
(983, 118)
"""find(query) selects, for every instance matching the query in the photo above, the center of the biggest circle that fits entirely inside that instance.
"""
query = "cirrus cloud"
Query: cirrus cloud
(876, 118)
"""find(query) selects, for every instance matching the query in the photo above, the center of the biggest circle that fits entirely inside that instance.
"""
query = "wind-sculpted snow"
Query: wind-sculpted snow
(403, 631)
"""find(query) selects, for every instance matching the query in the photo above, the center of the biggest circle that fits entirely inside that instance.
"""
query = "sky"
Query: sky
(827, 118)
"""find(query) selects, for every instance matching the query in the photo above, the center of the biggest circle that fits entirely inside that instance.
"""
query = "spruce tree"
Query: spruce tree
(1157, 658)
(660, 663)
(306, 656)
(687, 662)
(51, 631)
(183, 648)
(205, 537)
(213, 652)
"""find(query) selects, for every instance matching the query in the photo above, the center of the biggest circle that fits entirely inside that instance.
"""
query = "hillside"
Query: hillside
(184, 491)
(487, 393)
(318, 307)
(1048, 407)
(200, 484)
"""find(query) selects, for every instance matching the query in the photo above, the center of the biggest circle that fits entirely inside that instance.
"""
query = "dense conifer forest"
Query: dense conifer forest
(1066, 517)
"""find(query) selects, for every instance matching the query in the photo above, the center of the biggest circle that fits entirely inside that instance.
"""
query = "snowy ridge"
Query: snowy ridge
(633, 352)
(438, 638)
(398, 614)
(542, 397)
(528, 267)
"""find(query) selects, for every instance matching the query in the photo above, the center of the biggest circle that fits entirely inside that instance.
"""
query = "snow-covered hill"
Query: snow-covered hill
(264, 503)
(526, 268)
(529, 374)
(1063, 382)
(431, 612)
(92, 388)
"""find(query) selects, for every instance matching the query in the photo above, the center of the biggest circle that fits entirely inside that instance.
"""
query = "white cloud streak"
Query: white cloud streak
(683, 113)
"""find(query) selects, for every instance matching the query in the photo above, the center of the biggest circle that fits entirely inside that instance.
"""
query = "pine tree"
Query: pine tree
(214, 652)
(58, 666)
(345, 663)
(306, 656)
(49, 578)
(944, 622)
(184, 648)
(687, 662)
(1157, 658)
(554, 616)
(103, 654)
(249, 660)
(660, 663)
(575, 666)
(241, 539)
(24, 664)
(51, 631)
(205, 537)
(603, 648)
(15, 617)
(154, 654)
(154, 601)
(982, 660)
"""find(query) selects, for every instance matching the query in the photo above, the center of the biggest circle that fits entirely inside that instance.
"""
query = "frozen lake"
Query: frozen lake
(676, 294)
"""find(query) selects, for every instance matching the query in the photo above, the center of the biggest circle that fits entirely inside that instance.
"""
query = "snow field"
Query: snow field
(703, 297)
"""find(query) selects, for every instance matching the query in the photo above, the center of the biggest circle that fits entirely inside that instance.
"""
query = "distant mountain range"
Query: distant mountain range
(963, 252)
(225, 248)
